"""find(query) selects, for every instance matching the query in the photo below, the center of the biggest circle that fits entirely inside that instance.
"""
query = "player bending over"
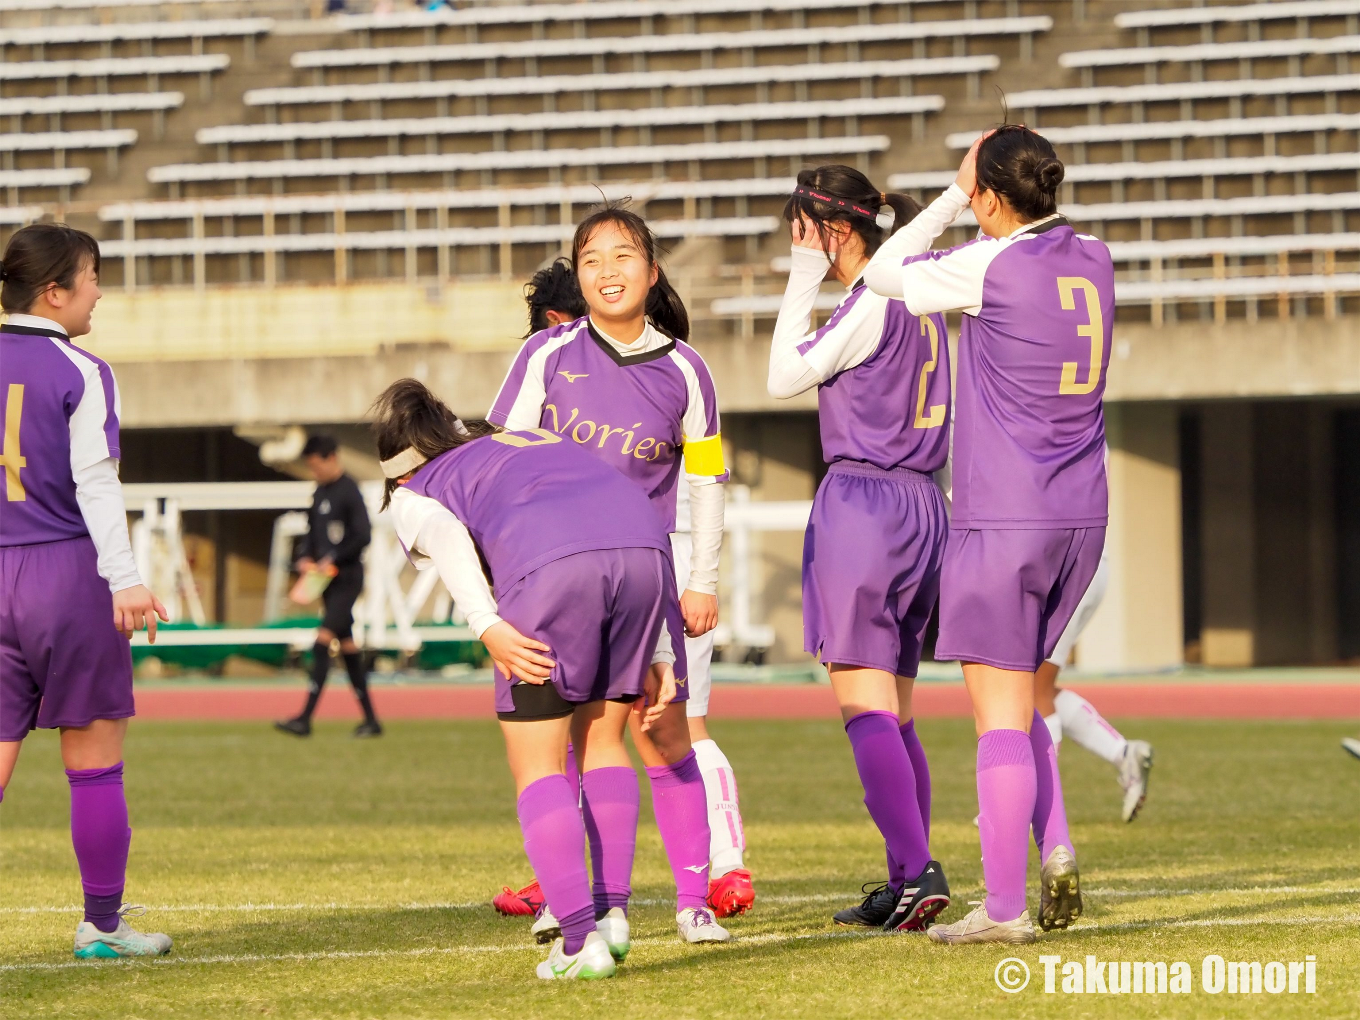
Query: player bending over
(1067, 713)
(875, 541)
(576, 628)
(623, 383)
(1029, 491)
(70, 594)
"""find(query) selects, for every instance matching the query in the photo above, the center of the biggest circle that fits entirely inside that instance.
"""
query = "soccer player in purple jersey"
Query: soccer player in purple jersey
(1029, 492)
(575, 618)
(70, 594)
(623, 383)
(875, 542)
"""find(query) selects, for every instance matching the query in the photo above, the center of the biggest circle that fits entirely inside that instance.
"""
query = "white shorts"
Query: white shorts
(698, 651)
(1086, 609)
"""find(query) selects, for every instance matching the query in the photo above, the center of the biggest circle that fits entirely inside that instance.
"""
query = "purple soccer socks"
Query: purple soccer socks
(921, 768)
(101, 837)
(1006, 793)
(1050, 816)
(681, 807)
(886, 773)
(555, 843)
(609, 809)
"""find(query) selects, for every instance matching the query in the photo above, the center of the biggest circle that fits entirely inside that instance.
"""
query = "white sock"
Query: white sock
(1087, 727)
(727, 837)
(1054, 724)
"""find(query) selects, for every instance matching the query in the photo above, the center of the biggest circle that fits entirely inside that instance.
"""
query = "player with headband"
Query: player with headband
(882, 378)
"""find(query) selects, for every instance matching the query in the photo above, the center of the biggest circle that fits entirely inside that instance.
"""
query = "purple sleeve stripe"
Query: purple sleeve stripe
(514, 379)
(842, 310)
(936, 254)
(110, 409)
(706, 388)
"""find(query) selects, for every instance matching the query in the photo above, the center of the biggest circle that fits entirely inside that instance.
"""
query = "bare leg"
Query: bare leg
(9, 754)
(96, 746)
(1045, 688)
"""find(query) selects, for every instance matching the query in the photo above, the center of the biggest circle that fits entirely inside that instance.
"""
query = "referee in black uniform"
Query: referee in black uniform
(338, 531)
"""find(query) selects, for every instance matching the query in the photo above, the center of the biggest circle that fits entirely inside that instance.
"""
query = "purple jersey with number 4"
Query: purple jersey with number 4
(1029, 432)
(59, 414)
(528, 498)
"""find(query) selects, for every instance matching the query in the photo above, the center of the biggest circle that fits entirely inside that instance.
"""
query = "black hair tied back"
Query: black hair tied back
(1021, 166)
(2, 272)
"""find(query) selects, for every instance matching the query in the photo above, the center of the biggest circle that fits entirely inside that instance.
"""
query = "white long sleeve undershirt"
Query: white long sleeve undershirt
(99, 495)
(707, 507)
(884, 272)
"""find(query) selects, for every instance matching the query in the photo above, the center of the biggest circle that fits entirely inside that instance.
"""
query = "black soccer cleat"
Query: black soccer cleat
(920, 901)
(299, 727)
(368, 729)
(874, 911)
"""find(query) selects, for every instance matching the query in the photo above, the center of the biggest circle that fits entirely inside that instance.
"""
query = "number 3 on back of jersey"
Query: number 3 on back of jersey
(10, 456)
(1094, 330)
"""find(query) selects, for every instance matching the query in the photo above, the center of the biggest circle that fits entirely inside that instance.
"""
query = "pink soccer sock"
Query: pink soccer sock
(1006, 795)
(555, 843)
(609, 808)
(681, 809)
(101, 838)
(1050, 816)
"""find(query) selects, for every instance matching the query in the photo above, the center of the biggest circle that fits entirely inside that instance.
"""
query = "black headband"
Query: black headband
(804, 191)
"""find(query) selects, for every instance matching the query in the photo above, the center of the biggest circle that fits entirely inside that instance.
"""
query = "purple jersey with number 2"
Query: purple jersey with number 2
(529, 498)
(1029, 432)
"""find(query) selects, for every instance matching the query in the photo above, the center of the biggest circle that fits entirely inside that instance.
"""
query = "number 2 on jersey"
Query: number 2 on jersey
(936, 417)
(1094, 330)
(10, 456)
(521, 438)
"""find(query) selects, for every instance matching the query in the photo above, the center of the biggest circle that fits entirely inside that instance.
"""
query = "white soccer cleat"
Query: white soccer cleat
(591, 963)
(978, 927)
(545, 927)
(696, 924)
(1133, 776)
(1351, 746)
(613, 928)
(125, 940)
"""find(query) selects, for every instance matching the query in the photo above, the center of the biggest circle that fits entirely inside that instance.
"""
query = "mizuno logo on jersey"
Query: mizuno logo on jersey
(573, 376)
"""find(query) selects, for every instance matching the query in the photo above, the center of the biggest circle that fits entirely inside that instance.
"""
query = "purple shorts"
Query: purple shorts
(62, 661)
(871, 566)
(600, 613)
(1006, 596)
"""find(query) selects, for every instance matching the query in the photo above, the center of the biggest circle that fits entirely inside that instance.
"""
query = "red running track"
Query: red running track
(760, 701)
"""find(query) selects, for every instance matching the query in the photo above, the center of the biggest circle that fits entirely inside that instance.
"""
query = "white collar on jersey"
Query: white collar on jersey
(1030, 226)
(651, 339)
(35, 322)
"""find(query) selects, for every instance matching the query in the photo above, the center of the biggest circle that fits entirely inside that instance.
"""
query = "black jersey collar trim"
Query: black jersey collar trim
(1044, 227)
(624, 360)
(55, 334)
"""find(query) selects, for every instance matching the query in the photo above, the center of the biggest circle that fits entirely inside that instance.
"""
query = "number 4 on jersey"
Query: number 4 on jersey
(10, 456)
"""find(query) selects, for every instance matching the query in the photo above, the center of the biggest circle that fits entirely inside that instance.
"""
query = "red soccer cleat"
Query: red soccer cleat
(732, 894)
(524, 903)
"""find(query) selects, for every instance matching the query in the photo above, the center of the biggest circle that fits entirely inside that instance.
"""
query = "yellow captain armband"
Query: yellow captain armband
(704, 456)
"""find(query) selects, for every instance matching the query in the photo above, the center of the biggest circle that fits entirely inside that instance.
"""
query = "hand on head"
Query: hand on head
(967, 176)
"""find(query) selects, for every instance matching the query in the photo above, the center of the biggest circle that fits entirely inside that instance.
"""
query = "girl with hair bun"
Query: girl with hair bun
(575, 624)
(1029, 490)
(882, 378)
(622, 382)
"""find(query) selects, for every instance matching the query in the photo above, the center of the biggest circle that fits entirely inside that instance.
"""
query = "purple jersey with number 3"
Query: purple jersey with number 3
(1029, 431)
(529, 497)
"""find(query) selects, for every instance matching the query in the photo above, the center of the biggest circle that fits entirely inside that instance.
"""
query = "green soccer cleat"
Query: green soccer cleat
(1059, 890)
(93, 944)
(593, 962)
(613, 928)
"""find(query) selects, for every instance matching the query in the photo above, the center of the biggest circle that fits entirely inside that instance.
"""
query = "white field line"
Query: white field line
(369, 954)
(211, 908)
(763, 939)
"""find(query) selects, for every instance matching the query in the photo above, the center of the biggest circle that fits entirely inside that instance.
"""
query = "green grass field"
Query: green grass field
(335, 878)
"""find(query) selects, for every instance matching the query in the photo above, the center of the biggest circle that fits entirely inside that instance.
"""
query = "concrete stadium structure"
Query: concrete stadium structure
(298, 209)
